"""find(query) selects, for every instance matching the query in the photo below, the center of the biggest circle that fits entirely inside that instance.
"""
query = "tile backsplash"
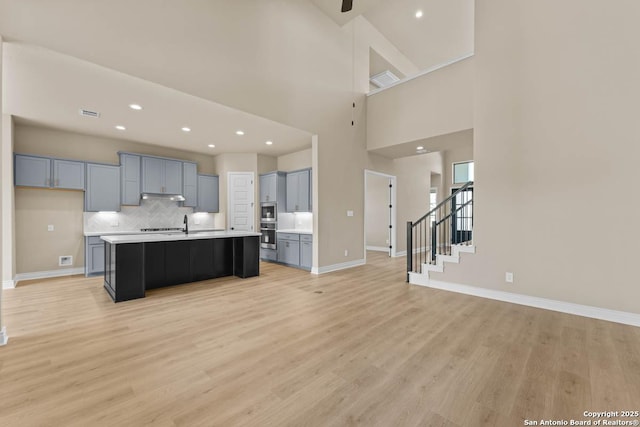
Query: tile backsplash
(152, 213)
(297, 221)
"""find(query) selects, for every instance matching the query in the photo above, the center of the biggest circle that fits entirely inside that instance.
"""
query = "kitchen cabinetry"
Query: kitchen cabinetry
(45, 172)
(208, 193)
(124, 271)
(289, 248)
(273, 188)
(299, 191)
(130, 179)
(32, 171)
(306, 251)
(103, 188)
(161, 176)
(133, 267)
(295, 250)
(190, 184)
(268, 187)
(94, 255)
(68, 174)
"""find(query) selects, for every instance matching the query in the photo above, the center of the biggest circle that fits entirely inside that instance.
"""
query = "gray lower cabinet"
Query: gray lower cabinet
(94, 256)
(190, 184)
(45, 172)
(289, 251)
(130, 179)
(103, 188)
(208, 193)
(68, 174)
(267, 254)
(294, 249)
(306, 254)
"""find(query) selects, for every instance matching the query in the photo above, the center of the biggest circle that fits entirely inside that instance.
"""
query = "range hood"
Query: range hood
(173, 197)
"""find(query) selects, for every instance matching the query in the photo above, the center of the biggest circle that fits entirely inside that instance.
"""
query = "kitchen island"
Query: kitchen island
(135, 263)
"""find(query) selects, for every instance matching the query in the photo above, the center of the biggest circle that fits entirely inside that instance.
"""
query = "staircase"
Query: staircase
(440, 236)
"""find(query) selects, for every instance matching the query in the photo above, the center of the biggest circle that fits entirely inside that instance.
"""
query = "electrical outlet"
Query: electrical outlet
(65, 260)
(346, 252)
(114, 223)
(508, 277)
(50, 227)
(387, 241)
(196, 221)
(349, 213)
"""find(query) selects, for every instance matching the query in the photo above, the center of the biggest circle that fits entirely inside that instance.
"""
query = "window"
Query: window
(433, 202)
(463, 172)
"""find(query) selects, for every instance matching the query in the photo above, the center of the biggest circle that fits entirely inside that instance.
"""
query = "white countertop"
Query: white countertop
(296, 231)
(169, 237)
(116, 233)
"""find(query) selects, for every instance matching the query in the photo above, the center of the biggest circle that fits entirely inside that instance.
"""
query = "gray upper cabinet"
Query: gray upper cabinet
(36, 171)
(208, 193)
(190, 182)
(172, 177)
(103, 188)
(32, 171)
(299, 191)
(68, 174)
(130, 179)
(152, 175)
(268, 187)
(161, 176)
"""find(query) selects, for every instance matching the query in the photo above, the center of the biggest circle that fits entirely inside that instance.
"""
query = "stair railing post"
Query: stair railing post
(433, 242)
(409, 248)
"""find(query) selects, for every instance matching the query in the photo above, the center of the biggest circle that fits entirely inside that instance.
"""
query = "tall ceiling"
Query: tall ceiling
(287, 61)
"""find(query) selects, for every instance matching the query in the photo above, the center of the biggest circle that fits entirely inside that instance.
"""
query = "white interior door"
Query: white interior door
(240, 204)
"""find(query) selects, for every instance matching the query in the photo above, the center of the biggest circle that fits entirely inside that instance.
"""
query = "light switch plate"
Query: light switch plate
(50, 227)
(349, 213)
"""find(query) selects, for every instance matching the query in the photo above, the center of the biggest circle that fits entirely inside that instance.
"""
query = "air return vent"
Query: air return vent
(89, 113)
(384, 79)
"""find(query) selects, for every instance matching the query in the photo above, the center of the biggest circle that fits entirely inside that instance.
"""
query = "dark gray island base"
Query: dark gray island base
(134, 264)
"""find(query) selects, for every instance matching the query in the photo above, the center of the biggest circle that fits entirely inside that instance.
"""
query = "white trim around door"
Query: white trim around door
(394, 228)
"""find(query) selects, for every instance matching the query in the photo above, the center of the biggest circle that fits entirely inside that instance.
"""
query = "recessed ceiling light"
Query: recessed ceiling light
(420, 148)
(186, 129)
(269, 142)
(419, 14)
(211, 146)
(239, 132)
(135, 106)
(120, 127)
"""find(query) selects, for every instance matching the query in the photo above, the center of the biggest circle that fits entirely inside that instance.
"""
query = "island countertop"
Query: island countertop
(169, 237)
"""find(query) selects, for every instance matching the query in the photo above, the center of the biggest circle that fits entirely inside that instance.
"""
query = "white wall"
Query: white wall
(437, 103)
(556, 148)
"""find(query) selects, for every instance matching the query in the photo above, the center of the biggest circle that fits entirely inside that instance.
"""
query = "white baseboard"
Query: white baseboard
(544, 303)
(401, 253)
(48, 274)
(336, 267)
(378, 248)
(8, 284)
(3, 336)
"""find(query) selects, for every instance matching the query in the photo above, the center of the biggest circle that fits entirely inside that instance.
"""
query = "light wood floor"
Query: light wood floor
(356, 347)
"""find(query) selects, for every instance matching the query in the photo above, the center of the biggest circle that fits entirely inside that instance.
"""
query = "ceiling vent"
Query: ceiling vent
(384, 79)
(89, 113)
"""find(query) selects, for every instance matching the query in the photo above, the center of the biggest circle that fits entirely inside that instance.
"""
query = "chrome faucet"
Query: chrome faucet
(186, 225)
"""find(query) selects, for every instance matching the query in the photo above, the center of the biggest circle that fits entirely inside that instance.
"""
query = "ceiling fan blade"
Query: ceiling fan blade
(347, 5)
